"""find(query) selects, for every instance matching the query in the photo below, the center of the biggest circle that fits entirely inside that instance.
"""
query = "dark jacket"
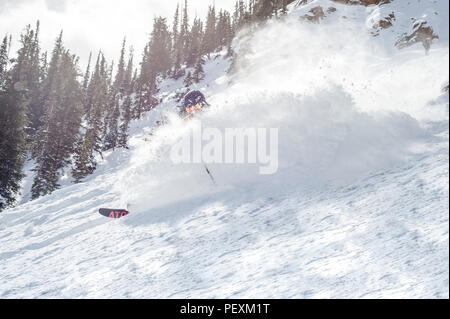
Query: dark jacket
(193, 98)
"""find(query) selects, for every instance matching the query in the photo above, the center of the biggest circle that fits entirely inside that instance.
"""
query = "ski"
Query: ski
(210, 174)
(113, 213)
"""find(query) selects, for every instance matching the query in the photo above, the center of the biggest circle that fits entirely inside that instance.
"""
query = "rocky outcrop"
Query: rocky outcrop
(404, 28)
(386, 22)
(383, 24)
(317, 13)
(314, 15)
(422, 33)
(363, 2)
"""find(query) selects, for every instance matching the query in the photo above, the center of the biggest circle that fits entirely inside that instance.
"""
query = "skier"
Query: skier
(194, 102)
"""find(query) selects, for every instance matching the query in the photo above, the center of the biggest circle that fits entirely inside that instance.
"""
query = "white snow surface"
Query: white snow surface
(358, 209)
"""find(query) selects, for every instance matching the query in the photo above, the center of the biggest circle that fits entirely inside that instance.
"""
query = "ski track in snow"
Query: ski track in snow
(384, 235)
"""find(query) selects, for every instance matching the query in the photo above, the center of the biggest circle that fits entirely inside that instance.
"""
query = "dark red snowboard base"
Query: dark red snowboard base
(113, 213)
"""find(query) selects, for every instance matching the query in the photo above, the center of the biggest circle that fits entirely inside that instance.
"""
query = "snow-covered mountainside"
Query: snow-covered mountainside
(358, 208)
(393, 22)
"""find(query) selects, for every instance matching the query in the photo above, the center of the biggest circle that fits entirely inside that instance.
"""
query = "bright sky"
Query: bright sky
(94, 24)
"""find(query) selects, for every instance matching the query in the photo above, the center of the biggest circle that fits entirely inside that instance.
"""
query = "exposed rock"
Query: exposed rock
(314, 15)
(422, 33)
(386, 22)
(331, 10)
(363, 2)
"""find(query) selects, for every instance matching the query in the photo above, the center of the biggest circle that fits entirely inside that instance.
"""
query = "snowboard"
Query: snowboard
(113, 213)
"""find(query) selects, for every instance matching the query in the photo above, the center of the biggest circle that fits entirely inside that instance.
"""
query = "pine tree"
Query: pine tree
(112, 127)
(130, 81)
(195, 50)
(87, 75)
(199, 73)
(13, 119)
(119, 85)
(146, 78)
(224, 29)
(160, 47)
(236, 17)
(89, 142)
(34, 86)
(155, 62)
(12, 146)
(90, 88)
(109, 107)
(4, 61)
(175, 25)
(264, 9)
(48, 90)
(177, 47)
(44, 66)
(98, 103)
(188, 81)
(117, 93)
(242, 11)
(241, 15)
(29, 62)
(184, 33)
(210, 39)
(17, 93)
(84, 159)
(56, 138)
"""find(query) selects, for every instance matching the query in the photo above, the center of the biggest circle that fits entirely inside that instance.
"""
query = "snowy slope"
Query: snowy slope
(391, 22)
(370, 239)
(358, 208)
